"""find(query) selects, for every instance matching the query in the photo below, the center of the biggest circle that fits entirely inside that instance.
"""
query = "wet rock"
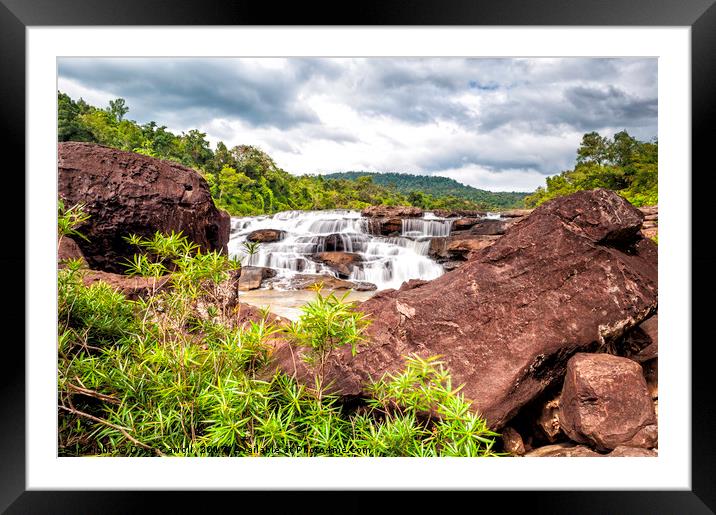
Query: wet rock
(563, 450)
(341, 262)
(127, 193)
(265, 236)
(605, 403)
(132, 287)
(573, 276)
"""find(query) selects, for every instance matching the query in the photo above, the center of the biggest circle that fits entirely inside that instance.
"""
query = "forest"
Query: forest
(244, 180)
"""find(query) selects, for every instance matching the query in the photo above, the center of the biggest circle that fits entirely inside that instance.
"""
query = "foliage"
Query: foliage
(174, 374)
(433, 192)
(327, 323)
(70, 218)
(622, 164)
(244, 180)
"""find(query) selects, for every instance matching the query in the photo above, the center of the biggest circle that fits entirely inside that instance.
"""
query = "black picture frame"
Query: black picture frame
(17, 15)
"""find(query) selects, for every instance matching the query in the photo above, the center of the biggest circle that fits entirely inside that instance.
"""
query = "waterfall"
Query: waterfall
(385, 262)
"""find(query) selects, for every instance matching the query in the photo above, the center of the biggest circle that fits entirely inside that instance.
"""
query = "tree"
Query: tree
(117, 109)
(593, 148)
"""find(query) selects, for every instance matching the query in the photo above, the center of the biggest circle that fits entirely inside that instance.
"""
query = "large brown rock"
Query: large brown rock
(572, 276)
(127, 193)
(605, 403)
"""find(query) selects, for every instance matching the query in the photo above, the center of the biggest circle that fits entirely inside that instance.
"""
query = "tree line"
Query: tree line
(244, 180)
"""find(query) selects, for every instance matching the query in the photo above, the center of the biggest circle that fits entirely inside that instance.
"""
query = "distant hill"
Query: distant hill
(407, 183)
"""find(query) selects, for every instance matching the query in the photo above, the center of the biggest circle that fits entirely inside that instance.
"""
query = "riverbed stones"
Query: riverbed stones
(573, 276)
(605, 403)
(328, 282)
(127, 193)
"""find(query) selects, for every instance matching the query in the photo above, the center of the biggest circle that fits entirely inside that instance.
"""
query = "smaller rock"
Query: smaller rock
(464, 223)
(605, 403)
(632, 452)
(67, 249)
(563, 450)
(489, 228)
(642, 343)
(132, 287)
(265, 236)
(548, 420)
(458, 246)
(251, 277)
(512, 441)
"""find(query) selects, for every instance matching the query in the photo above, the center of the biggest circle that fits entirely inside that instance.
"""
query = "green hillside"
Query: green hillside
(410, 184)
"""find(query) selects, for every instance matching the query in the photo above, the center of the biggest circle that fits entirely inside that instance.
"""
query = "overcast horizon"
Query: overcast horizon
(497, 124)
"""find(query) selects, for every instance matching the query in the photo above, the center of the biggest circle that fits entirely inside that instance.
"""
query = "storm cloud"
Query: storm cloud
(499, 124)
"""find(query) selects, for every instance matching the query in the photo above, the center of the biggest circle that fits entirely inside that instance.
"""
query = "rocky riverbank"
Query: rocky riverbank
(548, 317)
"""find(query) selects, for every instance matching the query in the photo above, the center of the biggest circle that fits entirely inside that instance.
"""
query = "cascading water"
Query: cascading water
(385, 262)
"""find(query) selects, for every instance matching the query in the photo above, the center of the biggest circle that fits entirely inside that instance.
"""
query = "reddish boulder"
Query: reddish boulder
(573, 276)
(605, 403)
(128, 193)
(266, 235)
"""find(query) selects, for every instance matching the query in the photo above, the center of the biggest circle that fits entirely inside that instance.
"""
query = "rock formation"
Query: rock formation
(573, 276)
(127, 193)
(605, 403)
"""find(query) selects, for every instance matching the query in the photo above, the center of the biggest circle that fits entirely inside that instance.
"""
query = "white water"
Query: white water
(387, 262)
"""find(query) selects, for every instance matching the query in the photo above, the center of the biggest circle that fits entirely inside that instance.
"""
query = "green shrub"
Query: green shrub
(152, 377)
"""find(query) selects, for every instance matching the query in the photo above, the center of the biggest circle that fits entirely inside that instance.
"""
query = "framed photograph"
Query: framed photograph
(356, 258)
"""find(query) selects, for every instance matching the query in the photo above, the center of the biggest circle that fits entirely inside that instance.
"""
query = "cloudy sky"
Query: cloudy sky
(497, 124)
